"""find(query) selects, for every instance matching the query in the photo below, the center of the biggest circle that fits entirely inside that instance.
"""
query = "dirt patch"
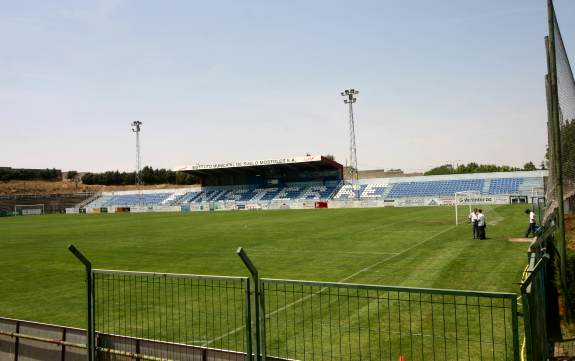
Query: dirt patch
(570, 231)
(521, 240)
(43, 187)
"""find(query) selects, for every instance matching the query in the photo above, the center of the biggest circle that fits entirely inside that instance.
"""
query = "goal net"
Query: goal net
(464, 202)
(28, 209)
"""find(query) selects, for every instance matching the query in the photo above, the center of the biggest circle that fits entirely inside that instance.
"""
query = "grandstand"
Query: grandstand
(271, 183)
(525, 183)
(301, 182)
(52, 203)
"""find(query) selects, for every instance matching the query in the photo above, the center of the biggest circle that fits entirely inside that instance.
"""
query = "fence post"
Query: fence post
(262, 320)
(248, 321)
(90, 329)
(255, 276)
(17, 342)
(557, 151)
(515, 326)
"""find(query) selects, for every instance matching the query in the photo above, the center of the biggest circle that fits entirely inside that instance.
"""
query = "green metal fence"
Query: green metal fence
(336, 321)
(535, 313)
(204, 311)
(160, 316)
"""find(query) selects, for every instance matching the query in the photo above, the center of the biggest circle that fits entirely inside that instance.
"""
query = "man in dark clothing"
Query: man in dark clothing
(481, 224)
(473, 220)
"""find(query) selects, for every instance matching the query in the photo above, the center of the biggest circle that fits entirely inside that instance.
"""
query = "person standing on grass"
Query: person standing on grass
(480, 224)
(532, 225)
(473, 220)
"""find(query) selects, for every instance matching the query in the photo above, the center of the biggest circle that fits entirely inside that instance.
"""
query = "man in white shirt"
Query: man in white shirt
(532, 225)
(481, 224)
(473, 220)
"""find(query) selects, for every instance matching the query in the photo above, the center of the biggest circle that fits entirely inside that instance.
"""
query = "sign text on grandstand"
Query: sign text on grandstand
(252, 163)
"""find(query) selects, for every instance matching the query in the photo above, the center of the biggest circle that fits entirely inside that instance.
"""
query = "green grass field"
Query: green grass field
(421, 247)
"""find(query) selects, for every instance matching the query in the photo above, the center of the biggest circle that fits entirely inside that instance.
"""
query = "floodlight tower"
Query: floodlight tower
(350, 98)
(136, 128)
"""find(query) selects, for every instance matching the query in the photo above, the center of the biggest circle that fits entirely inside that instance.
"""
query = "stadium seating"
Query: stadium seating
(391, 188)
(98, 203)
(52, 202)
(258, 194)
(186, 197)
(504, 185)
(366, 191)
(435, 188)
(531, 185)
(317, 193)
(405, 188)
(146, 199)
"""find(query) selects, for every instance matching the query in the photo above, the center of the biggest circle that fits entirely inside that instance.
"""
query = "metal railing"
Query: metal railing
(327, 321)
(161, 316)
(204, 311)
(27, 340)
(158, 316)
(535, 313)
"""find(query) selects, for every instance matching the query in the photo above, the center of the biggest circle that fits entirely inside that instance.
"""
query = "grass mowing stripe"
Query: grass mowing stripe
(396, 255)
(322, 245)
(305, 298)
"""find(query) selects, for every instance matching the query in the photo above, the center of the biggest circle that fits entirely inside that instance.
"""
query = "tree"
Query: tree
(329, 156)
(470, 168)
(72, 174)
(149, 176)
(443, 169)
(568, 148)
(529, 166)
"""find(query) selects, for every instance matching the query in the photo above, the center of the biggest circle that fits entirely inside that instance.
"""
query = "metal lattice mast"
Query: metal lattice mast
(136, 128)
(350, 94)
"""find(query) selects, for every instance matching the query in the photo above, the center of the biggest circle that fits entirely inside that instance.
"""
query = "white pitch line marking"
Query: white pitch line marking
(342, 280)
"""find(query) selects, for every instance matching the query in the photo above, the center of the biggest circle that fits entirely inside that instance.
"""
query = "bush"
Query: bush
(7, 174)
(149, 176)
(72, 174)
(474, 168)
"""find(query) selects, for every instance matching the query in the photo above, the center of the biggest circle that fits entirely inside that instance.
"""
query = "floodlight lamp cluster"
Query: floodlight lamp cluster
(136, 126)
(350, 94)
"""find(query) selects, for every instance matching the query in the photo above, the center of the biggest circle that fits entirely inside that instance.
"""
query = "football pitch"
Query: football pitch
(418, 247)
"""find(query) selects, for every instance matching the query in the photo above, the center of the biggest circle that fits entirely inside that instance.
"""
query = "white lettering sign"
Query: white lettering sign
(251, 163)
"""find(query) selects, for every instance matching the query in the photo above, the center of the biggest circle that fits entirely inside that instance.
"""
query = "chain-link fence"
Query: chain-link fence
(560, 192)
(561, 124)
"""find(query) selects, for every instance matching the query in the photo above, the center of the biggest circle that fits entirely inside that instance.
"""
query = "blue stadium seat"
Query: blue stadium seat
(504, 185)
(434, 188)
(146, 199)
(259, 194)
(402, 187)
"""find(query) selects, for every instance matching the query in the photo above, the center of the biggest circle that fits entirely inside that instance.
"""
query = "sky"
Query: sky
(449, 81)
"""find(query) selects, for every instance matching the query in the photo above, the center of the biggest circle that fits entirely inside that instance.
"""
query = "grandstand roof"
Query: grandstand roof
(265, 167)
(309, 161)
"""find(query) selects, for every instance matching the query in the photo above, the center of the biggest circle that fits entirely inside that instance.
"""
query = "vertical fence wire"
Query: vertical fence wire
(534, 309)
(176, 317)
(566, 104)
(323, 321)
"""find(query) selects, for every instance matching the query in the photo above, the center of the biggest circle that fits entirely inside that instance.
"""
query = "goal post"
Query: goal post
(28, 209)
(463, 203)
